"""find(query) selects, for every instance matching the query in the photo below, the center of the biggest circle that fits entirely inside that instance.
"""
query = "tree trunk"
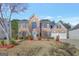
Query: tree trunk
(5, 30)
(5, 34)
(10, 34)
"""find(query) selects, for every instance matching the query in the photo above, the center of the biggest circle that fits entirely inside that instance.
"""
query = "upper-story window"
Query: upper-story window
(24, 25)
(58, 26)
(45, 25)
(48, 26)
(34, 25)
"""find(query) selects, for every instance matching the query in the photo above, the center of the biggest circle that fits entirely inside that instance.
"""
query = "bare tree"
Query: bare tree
(7, 10)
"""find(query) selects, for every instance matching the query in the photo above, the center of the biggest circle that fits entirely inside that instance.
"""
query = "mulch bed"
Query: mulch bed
(7, 46)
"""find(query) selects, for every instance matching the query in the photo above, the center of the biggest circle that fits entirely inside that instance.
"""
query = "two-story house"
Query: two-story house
(34, 26)
(42, 28)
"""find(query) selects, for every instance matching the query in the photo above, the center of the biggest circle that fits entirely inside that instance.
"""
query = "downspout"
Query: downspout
(5, 34)
(40, 31)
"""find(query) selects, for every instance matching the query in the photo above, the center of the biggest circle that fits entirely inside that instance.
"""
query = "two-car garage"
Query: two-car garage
(61, 35)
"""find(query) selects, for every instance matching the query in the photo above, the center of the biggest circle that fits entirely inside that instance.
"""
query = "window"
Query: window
(34, 25)
(23, 25)
(58, 26)
(45, 25)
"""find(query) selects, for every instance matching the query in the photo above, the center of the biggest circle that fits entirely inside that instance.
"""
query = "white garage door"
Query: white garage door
(62, 35)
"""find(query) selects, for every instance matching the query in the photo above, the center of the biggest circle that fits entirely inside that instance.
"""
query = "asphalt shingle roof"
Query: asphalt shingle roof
(75, 27)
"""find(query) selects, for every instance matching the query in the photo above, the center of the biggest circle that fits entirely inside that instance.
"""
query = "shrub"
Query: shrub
(30, 37)
(2, 42)
(51, 37)
(21, 37)
(13, 42)
(26, 37)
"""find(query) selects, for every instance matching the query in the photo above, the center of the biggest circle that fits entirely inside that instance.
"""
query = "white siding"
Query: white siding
(74, 34)
(62, 35)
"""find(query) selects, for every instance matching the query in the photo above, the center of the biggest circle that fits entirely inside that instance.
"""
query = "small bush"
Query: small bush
(30, 37)
(26, 37)
(13, 42)
(2, 42)
(21, 37)
(51, 38)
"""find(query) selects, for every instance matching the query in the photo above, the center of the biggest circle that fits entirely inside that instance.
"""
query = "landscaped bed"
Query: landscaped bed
(11, 44)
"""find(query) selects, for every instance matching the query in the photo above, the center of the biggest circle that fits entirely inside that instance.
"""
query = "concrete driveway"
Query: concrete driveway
(72, 41)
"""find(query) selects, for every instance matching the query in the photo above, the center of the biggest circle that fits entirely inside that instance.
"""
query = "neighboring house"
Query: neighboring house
(74, 32)
(59, 29)
(5, 27)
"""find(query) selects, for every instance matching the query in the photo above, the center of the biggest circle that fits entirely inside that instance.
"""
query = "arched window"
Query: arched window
(34, 25)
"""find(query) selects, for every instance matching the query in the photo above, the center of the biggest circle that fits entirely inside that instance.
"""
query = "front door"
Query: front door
(34, 32)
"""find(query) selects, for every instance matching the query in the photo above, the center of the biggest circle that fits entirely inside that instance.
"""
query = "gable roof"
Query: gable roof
(33, 16)
(56, 24)
(62, 23)
(75, 27)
